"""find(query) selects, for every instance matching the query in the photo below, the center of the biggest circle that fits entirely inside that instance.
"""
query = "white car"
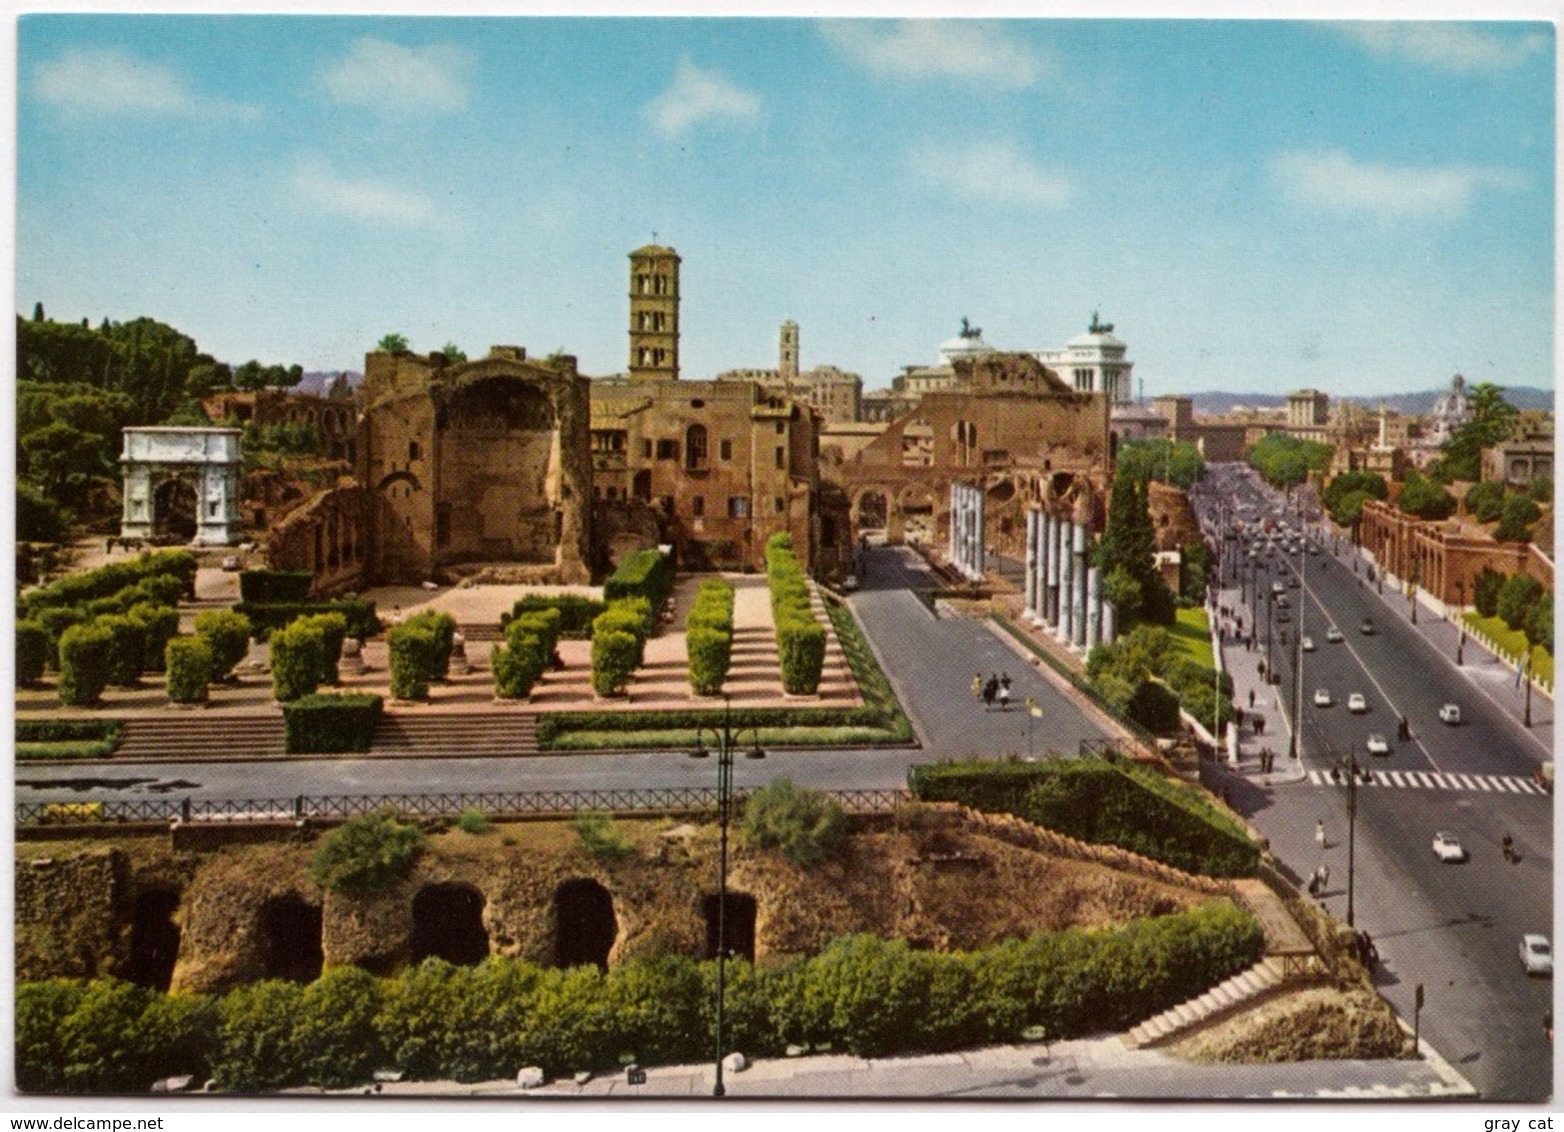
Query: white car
(1333, 635)
(1308, 644)
(1450, 713)
(1357, 704)
(1376, 744)
(1448, 847)
(1536, 955)
(1278, 588)
(850, 583)
(1322, 697)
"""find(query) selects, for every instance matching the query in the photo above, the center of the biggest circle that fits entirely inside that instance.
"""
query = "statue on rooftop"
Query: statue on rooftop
(968, 330)
(1098, 326)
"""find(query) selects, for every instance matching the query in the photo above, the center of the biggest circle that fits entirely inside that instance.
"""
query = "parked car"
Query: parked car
(1357, 704)
(1278, 588)
(1450, 713)
(1448, 847)
(1536, 955)
(1308, 644)
(1322, 697)
(1376, 744)
(850, 583)
(1333, 635)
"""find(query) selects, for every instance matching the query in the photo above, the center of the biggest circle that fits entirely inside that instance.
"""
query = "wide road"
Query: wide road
(1453, 928)
(930, 660)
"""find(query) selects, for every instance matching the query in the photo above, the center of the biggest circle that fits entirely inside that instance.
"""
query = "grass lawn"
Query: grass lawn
(1513, 641)
(1192, 633)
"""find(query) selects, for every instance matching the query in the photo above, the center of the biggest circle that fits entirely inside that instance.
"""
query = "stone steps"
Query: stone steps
(1246, 987)
(196, 735)
(409, 733)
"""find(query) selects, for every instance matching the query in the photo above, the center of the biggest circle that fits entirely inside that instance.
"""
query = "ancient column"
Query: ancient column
(1110, 617)
(1056, 573)
(1029, 585)
(1093, 606)
(1079, 575)
(1066, 582)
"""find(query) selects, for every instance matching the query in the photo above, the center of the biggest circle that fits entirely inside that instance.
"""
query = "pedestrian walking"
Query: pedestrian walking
(1319, 833)
(990, 690)
(1251, 697)
(1004, 692)
(977, 686)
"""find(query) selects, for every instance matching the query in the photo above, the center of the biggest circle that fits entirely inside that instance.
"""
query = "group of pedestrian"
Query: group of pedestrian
(996, 689)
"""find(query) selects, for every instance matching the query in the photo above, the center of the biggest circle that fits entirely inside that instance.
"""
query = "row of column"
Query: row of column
(1063, 590)
(966, 530)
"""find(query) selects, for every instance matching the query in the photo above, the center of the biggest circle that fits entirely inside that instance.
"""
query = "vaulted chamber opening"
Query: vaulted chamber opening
(290, 934)
(448, 924)
(737, 932)
(154, 940)
(584, 924)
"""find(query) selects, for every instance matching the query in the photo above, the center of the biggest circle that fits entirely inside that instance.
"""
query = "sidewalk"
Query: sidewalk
(1243, 665)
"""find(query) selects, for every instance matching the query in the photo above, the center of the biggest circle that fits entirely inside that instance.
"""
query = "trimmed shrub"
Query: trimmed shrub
(227, 634)
(624, 617)
(127, 650)
(518, 665)
(85, 658)
(255, 1050)
(333, 631)
(443, 626)
(66, 730)
(804, 823)
(366, 855)
(576, 613)
(105, 581)
(710, 654)
(472, 821)
(160, 589)
(32, 652)
(331, 723)
(801, 651)
(55, 619)
(544, 624)
(298, 653)
(415, 652)
(275, 585)
(266, 618)
(334, 1036)
(645, 573)
(615, 657)
(188, 661)
(600, 835)
(159, 625)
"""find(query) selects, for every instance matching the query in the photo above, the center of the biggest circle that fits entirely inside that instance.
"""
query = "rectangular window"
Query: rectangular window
(667, 449)
(646, 449)
(779, 505)
(781, 427)
(781, 456)
(727, 449)
(738, 506)
(698, 506)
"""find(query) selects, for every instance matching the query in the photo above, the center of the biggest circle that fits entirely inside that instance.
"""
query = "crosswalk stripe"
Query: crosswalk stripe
(1433, 780)
(1502, 784)
(1482, 783)
(1524, 786)
(1395, 778)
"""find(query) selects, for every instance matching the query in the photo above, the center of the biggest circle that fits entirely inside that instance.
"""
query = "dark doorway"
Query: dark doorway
(641, 486)
(448, 924)
(873, 512)
(154, 940)
(290, 939)
(584, 924)
(174, 506)
(738, 924)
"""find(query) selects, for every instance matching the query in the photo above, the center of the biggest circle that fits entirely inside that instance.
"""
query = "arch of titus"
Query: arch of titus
(181, 484)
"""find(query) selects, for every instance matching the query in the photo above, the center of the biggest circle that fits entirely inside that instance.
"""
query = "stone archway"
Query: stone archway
(448, 924)
(584, 925)
(738, 924)
(871, 510)
(154, 940)
(291, 939)
(176, 511)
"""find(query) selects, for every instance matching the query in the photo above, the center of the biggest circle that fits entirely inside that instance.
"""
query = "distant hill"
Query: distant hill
(315, 383)
(1521, 396)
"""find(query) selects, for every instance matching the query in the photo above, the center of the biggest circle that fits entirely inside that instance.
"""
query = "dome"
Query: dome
(959, 347)
(1095, 340)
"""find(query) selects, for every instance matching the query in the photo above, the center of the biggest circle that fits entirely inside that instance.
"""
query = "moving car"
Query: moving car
(1376, 744)
(1308, 644)
(1278, 588)
(1448, 847)
(1357, 703)
(1322, 697)
(1536, 955)
(1333, 635)
(1367, 628)
(1450, 713)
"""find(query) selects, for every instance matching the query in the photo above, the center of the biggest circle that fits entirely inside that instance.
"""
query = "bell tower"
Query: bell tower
(654, 314)
(787, 359)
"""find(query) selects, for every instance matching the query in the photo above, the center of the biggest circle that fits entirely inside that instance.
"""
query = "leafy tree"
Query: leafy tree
(1520, 512)
(1425, 498)
(39, 518)
(1127, 554)
(1541, 489)
(1284, 460)
(1348, 511)
(1345, 494)
(393, 344)
(366, 855)
(1539, 623)
(1491, 422)
(38, 312)
(1485, 501)
(63, 460)
(1194, 570)
(1485, 591)
(805, 824)
(1517, 597)
(255, 1050)
(1176, 462)
(452, 352)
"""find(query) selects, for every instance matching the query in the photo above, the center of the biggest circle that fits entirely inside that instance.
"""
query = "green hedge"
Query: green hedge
(266, 618)
(576, 613)
(333, 631)
(544, 624)
(66, 738)
(415, 656)
(322, 723)
(105, 581)
(227, 634)
(709, 636)
(55, 619)
(159, 625)
(1111, 803)
(188, 661)
(32, 652)
(800, 638)
(615, 657)
(298, 653)
(443, 627)
(271, 586)
(645, 573)
(863, 995)
(86, 653)
(127, 648)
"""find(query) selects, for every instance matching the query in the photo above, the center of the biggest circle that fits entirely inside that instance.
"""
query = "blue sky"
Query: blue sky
(1257, 206)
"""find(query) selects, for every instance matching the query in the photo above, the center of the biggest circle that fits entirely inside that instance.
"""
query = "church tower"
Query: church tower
(654, 314)
(787, 360)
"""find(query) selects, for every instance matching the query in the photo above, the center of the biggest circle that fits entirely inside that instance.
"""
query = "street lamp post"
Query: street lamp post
(1352, 826)
(1460, 601)
(726, 741)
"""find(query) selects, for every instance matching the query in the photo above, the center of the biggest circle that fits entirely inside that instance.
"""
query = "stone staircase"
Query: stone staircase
(203, 735)
(1243, 989)
(443, 735)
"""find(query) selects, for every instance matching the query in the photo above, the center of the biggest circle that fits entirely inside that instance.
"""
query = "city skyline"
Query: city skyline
(292, 188)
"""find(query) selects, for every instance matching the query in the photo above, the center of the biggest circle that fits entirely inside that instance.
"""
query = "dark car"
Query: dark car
(1367, 628)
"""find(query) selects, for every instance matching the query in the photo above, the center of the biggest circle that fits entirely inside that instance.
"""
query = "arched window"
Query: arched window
(695, 447)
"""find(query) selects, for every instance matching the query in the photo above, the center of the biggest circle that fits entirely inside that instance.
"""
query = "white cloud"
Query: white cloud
(105, 81)
(1457, 47)
(1335, 182)
(994, 172)
(388, 76)
(921, 49)
(696, 95)
(361, 199)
